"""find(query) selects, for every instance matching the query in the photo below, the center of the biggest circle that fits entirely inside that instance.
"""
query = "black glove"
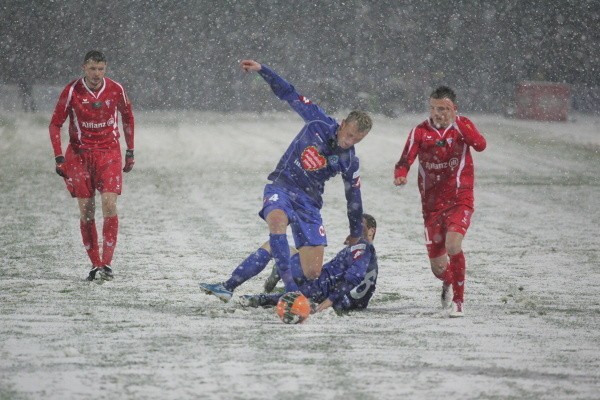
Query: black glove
(129, 161)
(60, 166)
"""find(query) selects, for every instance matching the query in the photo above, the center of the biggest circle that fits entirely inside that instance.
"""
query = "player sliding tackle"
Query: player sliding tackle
(322, 149)
(347, 282)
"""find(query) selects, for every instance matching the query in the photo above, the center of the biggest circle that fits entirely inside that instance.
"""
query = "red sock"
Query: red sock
(90, 240)
(459, 266)
(109, 238)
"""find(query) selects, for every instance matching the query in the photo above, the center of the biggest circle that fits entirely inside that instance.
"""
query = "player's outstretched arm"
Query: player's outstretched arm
(408, 156)
(250, 65)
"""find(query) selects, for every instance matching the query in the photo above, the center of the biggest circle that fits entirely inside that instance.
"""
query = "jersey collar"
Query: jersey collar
(90, 91)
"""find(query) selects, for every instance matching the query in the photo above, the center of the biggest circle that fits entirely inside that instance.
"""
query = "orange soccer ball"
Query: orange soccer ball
(293, 308)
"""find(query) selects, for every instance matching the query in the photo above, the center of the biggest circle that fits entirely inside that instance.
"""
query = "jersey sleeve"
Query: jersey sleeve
(351, 180)
(409, 154)
(354, 275)
(286, 91)
(470, 133)
(124, 107)
(59, 116)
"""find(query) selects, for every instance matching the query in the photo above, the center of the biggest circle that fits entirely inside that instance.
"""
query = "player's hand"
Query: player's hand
(129, 161)
(313, 305)
(401, 180)
(60, 166)
(351, 240)
(324, 305)
(250, 65)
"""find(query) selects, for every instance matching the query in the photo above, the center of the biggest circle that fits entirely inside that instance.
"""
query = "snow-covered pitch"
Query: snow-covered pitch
(189, 214)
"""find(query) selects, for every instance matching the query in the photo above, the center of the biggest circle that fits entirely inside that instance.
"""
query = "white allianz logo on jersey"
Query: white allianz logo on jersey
(96, 125)
(452, 164)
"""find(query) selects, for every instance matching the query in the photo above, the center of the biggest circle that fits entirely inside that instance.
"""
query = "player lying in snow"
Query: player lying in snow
(347, 282)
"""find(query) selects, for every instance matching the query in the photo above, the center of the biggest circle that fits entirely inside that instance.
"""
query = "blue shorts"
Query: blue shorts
(302, 212)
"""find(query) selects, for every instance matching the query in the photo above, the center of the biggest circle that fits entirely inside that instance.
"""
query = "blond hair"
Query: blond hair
(363, 120)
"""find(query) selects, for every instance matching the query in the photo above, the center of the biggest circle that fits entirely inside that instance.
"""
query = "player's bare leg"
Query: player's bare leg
(277, 221)
(87, 208)
(311, 259)
(109, 204)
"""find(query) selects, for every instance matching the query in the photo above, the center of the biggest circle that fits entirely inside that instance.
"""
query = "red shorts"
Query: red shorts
(91, 170)
(437, 224)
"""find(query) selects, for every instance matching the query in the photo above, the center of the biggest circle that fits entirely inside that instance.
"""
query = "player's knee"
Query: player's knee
(109, 211)
(453, 248)
(312, 272)
(87, 217)
(438, 270)
(277, 221)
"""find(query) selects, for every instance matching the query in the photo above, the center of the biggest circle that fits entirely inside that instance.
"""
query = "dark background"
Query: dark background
(385, 56)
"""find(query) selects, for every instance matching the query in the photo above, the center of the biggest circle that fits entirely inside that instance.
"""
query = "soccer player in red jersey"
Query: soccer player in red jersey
(446, 177)
(93, 160)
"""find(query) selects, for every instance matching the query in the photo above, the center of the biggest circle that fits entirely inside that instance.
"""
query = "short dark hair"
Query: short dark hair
(94, 55)
(371, 223)
(443, 92)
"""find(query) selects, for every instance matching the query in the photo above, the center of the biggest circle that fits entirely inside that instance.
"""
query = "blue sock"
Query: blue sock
(281, 255)
(249, 268)
(273, 298)
(297, 272)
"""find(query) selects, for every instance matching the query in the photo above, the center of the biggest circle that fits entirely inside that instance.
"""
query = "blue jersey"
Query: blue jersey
(314, 156)
(348, 280)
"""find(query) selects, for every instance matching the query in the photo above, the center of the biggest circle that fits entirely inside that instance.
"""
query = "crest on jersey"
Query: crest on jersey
(358, 250)
(333, 160)
(304, 99)
(312, 160)
(107, 103)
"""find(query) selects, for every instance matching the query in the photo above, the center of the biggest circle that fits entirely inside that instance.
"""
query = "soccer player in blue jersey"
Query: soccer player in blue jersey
(322, 149)
(347, 282)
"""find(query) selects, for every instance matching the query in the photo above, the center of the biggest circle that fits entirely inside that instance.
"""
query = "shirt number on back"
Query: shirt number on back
(362, 289)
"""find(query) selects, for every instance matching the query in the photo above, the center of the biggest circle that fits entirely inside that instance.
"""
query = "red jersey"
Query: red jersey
(446, 174)
(93, 116)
